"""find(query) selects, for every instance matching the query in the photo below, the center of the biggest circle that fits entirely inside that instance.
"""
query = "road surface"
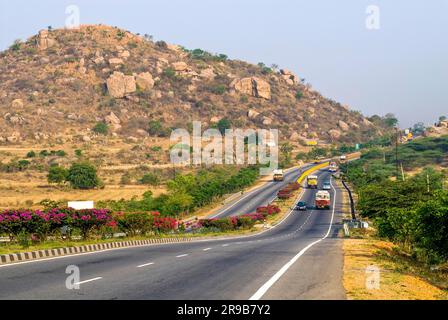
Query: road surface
(250, 201)
(300, 258)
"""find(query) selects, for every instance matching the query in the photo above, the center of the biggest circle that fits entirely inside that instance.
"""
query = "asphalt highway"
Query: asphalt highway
(301, 258)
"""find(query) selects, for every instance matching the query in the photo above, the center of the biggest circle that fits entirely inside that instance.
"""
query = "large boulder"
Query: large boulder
(113, 120)
(44, 41)
(115, 62)
(253, 86)
(208, 73)
(180, 66)
(343, 125)
(289, 77)
(334, 134)
(144, 81)
(252, 114)
(119, 85)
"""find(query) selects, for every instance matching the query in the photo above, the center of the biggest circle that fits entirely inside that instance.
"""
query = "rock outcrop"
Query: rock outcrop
(119, 85)
(113, 121)
(289, 77)
(335, 134)
(253, 86)
(144, 81)
(44, 41)
(343, 125)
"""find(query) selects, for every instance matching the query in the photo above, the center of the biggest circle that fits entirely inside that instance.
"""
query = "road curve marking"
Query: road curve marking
(85, 281)
(145, 265)
(265, 287)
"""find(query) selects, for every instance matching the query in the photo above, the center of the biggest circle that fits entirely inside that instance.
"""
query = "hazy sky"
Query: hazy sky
(402, 67)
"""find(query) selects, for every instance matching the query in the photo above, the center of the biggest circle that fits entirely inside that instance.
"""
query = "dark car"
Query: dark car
(301, 206)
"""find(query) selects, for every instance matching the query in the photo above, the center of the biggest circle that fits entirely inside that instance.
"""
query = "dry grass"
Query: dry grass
(395, 284)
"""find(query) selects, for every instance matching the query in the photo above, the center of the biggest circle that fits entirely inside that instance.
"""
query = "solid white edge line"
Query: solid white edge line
(90, 280)
(264, 288)
(145, 265)
(182, 255)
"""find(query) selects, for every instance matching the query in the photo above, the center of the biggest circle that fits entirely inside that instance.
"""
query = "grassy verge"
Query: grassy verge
(401, 277)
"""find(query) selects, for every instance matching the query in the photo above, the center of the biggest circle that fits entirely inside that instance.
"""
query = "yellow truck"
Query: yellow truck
(312, 181)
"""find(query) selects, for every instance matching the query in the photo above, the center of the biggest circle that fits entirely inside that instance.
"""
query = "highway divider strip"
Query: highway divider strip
(311, 170)
(12, 258)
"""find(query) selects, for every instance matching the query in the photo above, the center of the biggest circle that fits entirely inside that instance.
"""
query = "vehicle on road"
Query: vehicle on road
(326, 185)
(323, 199)
(312, 181)
(278, 175)
(301, 206)
(343, 158)
(333, 167)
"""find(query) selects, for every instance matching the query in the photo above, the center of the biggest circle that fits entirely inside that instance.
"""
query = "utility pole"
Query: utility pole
(396, 153)
(427, 181)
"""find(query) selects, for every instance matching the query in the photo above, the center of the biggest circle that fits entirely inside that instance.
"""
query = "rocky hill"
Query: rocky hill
(59, 84)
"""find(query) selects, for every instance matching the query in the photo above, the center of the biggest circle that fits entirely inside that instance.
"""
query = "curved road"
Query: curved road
(300, 258)
(261, 196)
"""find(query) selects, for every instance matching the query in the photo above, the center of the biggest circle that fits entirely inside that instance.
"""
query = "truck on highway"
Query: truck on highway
(333, 167)
(323, 199)
(278, 175)
(311, 181)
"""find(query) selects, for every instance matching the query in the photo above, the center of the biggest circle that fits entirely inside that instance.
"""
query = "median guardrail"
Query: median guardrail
(352, 203)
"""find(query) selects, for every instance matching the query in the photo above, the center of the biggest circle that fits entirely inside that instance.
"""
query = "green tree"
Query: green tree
(224, 124)
(83, 176)
(57, 174)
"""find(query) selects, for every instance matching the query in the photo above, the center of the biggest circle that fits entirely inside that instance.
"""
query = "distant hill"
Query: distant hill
(59, 84)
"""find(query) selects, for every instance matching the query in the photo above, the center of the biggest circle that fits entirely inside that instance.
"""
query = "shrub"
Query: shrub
(101, 128)
(299, 95)
(155, 128)
(134, 223)
(31, 154)
(219, 89)
(169, 73)
(57, 174)
(150, 179)
(88, 220)
(224, 124)
(83, 176)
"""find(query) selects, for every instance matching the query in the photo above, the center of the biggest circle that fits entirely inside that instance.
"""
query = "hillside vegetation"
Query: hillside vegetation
(411, 207)
(96, 82)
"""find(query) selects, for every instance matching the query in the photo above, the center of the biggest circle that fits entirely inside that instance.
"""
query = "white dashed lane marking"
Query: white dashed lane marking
(86, 281)
(145, 265)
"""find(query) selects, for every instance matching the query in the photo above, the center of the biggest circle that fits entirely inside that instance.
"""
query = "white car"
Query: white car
(326, 185)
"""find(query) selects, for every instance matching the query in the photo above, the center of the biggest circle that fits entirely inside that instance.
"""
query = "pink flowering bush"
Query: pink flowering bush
(143, 222)
(269, 210)
(37, 223)
(88, 220)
